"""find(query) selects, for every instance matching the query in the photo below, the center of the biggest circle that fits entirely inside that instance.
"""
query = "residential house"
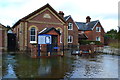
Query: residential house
(3, 38)
(92, 29)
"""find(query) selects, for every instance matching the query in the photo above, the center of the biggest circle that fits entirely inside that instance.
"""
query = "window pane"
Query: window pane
(70, 26)
(69, 39)
(98, 29)
(97, 38)
(32, 34)
(32, 38)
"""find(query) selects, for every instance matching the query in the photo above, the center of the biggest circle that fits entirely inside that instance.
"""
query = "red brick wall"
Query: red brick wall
(41, 27)
(40, 17)
(89, 34)
(2, 38)
(93, 34)
(45, 24)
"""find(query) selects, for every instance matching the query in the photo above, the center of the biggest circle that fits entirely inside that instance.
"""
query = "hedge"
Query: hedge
(85, 42)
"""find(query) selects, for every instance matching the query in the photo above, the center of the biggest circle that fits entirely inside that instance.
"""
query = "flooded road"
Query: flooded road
(85, 66)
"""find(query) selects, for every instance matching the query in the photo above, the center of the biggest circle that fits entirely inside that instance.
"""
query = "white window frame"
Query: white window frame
(34, 36)
(98, 39)
(60, 38)
(70, 24)
(70, 37)
(98, 29)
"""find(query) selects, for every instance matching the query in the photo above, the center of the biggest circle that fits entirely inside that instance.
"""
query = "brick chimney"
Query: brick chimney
(88, 19)
(61, 14)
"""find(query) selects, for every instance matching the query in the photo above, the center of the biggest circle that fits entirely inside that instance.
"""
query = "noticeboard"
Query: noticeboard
(44, 39)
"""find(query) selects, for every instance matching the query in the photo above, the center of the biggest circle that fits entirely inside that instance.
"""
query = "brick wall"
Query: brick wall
(73, 32)
(3, 38)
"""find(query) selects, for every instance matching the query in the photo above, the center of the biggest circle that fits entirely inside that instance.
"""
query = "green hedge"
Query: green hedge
(85, 42)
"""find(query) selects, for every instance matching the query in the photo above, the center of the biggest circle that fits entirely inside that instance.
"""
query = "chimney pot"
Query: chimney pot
(61, 14)
(88, 19)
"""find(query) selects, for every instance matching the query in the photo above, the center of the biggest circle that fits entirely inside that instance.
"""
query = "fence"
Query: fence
(55, 50)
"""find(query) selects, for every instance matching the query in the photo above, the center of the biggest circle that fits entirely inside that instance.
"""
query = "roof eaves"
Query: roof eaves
(36, 11)
(2, 25)
(86, 36)
(46, 30)
(76, 25)
(68, 17)
(95, 24)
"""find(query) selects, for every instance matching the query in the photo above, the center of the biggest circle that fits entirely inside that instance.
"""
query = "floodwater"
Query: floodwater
(85, 66)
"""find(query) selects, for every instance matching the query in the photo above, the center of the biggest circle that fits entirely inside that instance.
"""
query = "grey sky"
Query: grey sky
(104, 10)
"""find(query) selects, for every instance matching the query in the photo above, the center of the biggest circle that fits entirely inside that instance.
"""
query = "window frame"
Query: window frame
(35, 37)
(98, 39)
(98, 29)
(70, 37)
(69, 26)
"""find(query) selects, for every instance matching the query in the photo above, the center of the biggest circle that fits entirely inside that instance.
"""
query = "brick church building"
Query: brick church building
(28, 28)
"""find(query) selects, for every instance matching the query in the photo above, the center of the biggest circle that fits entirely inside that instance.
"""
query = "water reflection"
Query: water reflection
(100, 66)
(86, 66)
(9, 65)
(53, 67)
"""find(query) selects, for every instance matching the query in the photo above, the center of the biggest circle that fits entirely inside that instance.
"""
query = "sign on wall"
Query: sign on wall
(44, 39)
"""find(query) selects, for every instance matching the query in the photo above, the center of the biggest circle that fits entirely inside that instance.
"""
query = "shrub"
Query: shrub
(85, 42)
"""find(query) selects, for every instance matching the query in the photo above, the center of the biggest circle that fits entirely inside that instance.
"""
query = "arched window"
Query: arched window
(33, 35)
(59, 30)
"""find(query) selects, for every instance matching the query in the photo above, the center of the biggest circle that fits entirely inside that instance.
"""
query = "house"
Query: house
(3, 38)
(28, 28)
(72, 31)
(93, 30)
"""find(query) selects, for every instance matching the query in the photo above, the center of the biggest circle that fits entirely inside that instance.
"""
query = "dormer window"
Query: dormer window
(70, 26)
(98, 29)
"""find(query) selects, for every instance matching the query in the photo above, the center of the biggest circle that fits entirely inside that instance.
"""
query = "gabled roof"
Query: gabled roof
(82, 36)
(2, 25)
(87, 26)
(67, 17)
(46, 30)
(35, 12)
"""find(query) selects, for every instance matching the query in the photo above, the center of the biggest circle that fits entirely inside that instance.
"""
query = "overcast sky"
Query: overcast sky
(106, 11)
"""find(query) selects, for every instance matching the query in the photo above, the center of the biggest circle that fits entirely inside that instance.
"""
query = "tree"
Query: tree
(112, 31)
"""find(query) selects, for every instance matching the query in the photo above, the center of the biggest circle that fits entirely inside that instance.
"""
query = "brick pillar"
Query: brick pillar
(5, 40)
(0, 39)
(65, 35)
(21, 34)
